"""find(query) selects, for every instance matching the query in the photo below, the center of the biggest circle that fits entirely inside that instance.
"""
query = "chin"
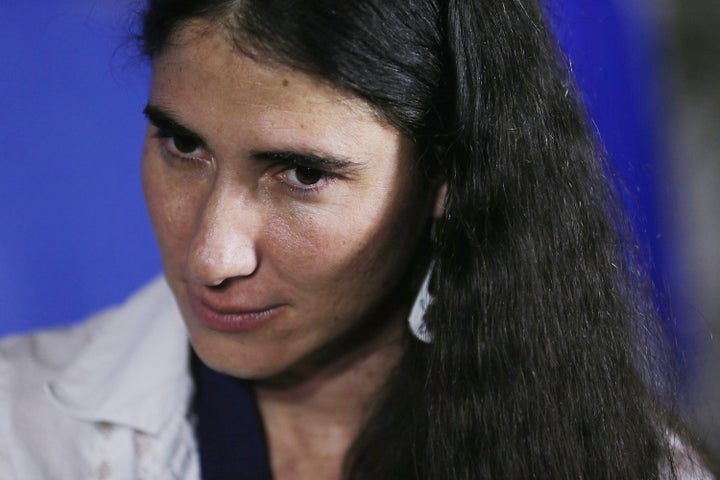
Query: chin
(238, 357)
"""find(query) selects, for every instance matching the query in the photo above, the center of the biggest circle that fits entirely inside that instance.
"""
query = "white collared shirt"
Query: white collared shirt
(106, 399)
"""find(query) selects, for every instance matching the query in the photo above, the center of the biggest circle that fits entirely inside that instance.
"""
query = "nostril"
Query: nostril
(221, 285)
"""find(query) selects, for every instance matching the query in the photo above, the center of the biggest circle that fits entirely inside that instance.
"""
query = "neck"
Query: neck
(313, 412)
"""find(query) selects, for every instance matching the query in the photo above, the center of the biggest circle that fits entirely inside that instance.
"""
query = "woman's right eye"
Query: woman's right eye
(184, 146)
(179, 147)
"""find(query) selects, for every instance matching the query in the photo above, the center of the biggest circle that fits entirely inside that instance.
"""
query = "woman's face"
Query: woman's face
(286, 211)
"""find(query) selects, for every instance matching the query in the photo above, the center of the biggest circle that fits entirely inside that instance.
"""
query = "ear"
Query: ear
(439, 208)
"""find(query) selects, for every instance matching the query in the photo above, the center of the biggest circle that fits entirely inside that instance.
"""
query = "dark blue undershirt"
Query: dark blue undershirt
(229, 429)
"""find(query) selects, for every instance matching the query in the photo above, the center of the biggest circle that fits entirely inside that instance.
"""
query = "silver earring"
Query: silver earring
(417, 313)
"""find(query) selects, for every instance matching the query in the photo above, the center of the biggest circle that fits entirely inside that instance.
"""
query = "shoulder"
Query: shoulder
(58, 386)
(38, 356)
(27, 363)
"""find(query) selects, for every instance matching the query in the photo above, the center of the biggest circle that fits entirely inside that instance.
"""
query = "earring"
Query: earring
(417, 313)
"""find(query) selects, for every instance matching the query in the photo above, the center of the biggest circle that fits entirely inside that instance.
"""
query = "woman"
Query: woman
(309, 166)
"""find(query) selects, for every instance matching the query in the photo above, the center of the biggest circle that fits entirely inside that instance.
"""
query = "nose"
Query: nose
(224, 244)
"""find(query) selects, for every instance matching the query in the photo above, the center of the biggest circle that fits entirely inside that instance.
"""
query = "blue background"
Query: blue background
(75, 235)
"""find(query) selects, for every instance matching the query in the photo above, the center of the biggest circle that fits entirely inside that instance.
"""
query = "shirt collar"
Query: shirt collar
(133, 369)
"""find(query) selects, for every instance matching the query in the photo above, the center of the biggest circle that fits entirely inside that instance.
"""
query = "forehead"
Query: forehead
(202, 65)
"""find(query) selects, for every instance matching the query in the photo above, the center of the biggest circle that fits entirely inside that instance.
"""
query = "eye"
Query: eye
(305, 180)
(180, 146)
(303, 173)
(184, 146)
(305, 176)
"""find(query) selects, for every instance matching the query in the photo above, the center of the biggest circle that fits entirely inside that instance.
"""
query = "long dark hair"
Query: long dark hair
(546, 360)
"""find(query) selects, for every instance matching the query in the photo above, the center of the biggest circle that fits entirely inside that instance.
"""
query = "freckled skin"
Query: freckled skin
(330, 258)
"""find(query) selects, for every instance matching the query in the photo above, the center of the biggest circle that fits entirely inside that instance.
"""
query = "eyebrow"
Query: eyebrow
(309, 160)
(166, 122)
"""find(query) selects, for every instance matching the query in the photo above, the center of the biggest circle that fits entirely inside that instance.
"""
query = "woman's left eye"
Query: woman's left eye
(305, 175)
(305, 178)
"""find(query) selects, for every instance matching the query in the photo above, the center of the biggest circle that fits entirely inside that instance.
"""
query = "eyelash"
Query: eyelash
(288, 162)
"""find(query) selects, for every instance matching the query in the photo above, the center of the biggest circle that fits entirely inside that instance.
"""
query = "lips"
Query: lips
(231, 318)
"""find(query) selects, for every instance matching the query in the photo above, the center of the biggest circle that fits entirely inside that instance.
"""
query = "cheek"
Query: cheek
(171, 209)
(346, 247)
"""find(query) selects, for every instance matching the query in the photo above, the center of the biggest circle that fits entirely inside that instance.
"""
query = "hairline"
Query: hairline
(229, 24)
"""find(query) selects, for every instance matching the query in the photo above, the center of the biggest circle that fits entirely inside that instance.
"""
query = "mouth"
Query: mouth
(232, 318)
